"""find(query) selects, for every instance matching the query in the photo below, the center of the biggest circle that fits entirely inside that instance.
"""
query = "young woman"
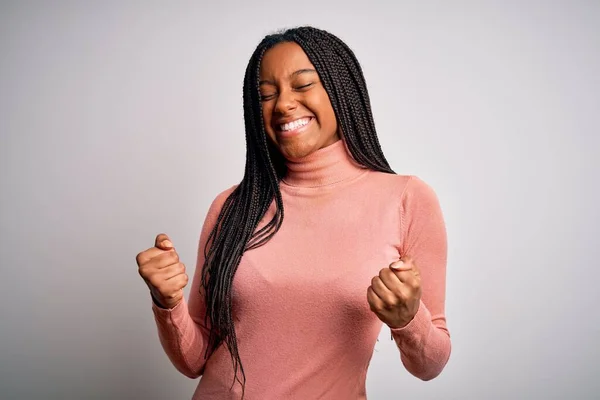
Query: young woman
(301, 263)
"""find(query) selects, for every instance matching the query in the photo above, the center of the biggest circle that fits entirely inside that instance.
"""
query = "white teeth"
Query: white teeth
(294, 124)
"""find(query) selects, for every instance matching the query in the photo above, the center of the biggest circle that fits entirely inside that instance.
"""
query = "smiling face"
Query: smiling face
(297, 112)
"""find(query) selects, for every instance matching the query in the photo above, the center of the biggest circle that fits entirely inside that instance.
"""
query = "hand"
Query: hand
(160, 268)
(395, 294)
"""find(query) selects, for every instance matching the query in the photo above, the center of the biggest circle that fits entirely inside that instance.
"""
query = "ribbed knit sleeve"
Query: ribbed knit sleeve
(181, 330)
(424, 343)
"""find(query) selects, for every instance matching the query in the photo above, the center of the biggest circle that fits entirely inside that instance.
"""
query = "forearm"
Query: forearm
(182, 339)
(424, 344)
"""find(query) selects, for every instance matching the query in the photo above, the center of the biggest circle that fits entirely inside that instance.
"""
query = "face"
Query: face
(297, 113)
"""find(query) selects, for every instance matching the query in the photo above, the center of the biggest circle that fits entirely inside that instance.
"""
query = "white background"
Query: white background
(120, 120)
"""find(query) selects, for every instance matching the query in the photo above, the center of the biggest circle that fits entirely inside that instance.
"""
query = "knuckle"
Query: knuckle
(400, 297)
(372, 305)
(138, 258)
(143, 271)
(414, 283)
(388, 303)
(183, 281)
(182, 276)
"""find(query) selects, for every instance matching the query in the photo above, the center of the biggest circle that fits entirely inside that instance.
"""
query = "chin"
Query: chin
(296, 150)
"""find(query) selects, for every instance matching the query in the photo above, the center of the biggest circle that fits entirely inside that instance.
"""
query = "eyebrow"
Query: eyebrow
(295, 73)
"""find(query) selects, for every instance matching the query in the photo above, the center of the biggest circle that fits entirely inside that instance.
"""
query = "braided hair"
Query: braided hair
(234, 231)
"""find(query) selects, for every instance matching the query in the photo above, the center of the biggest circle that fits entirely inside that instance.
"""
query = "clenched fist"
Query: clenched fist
(162, 272)
(395, 294)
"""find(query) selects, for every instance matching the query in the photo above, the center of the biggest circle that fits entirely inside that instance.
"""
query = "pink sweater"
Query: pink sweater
(303, 323)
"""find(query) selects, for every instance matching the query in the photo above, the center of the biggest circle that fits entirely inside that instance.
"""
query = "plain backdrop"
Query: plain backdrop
(122, 119)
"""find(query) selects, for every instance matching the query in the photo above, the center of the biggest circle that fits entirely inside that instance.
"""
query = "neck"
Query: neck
(324, 167)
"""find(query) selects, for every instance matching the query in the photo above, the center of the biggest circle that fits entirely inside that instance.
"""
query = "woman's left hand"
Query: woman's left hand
(395, 294)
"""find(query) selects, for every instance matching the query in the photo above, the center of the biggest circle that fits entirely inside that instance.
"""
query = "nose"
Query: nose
(286, 102)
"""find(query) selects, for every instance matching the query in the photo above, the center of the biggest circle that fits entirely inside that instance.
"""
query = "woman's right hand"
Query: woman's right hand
(160, 268)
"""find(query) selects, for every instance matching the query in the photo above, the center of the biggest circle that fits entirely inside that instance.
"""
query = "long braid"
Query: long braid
(236, 228)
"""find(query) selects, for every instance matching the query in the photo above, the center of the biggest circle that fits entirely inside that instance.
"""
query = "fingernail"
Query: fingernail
(166, 243)
(397, 265)
(400, 266)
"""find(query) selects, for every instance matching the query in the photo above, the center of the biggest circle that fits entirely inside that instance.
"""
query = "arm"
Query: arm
(181, 329)
(424, 343)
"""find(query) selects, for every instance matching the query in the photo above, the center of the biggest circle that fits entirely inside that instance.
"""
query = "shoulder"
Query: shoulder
(402, 186)
(417, 188)
(219, 200)
(419, 200)
(411, 191)
(223, 195)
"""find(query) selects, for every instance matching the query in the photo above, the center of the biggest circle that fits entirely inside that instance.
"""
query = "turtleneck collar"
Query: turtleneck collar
(324, 167)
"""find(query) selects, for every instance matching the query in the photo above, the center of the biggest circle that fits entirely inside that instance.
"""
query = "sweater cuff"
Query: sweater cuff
(175, 316)
(418, 326)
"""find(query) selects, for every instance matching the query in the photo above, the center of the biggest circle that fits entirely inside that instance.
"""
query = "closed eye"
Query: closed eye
(304, 86)
(266, 97)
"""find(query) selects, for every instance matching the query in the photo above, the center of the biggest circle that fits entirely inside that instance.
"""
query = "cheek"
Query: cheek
(327, 115)
(267, 114)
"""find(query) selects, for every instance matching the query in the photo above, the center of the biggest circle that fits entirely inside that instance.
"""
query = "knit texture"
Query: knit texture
(303, 323)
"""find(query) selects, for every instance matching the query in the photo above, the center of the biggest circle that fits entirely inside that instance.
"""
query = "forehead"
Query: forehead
(282, 60)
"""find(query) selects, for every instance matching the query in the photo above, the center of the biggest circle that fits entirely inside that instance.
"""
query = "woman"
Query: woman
(291, 307)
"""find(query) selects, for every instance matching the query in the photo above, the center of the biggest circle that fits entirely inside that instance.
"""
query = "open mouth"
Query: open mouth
(294, 127)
